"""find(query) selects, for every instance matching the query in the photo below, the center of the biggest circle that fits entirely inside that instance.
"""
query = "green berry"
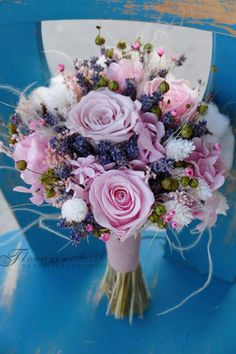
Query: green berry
(109, 53)
(164, 87)
(153, 217)
(179, 164)
(185, 181)
(187, 131)
(50, 192)
(96, 233)
(157, 110)
(174, 185)
(100, 40)
(48, 178)
(148, 47)
(12, 141)
(160, 209)
(202, 109)
(121, 44)
(12, 129)
(166, 183)
(194, 183)
(113, 85)
(21, 165)
(103, 82)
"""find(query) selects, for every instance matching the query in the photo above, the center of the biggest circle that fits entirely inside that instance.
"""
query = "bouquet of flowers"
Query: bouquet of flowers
(119, 144)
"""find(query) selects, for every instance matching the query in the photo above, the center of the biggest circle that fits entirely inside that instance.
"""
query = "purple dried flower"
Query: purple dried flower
(181, 60)
(200, 129)
(15, 119)
(150, 101)
(82, 146)
(130, 89)
(63, 172)
(53, 142)
(162, 167)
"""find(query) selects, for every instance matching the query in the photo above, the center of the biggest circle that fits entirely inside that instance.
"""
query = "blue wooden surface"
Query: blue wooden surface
(214, 15)
(52, 310)
(24, 63)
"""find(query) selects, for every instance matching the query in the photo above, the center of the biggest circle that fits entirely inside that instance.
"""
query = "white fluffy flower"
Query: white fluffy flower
(179, 149)
(26, 109)
(203, 191)
(57, 96)
(221, 132)
(74, 209)
(217, 123)
(183, 214)
(223, 205)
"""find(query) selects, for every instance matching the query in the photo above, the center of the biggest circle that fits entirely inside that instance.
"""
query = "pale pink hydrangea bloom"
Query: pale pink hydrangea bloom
(207, 163)
(150, 132)
(33, 150)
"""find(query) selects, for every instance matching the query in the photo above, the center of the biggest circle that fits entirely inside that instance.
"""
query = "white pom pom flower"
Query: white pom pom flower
(74, 209)
(179, 149)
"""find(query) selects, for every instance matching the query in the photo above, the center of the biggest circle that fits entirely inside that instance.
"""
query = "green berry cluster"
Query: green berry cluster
(157, 216)
(49, 181)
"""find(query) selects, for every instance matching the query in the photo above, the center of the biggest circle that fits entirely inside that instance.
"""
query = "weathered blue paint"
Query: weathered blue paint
(22, 62)
(213, 15)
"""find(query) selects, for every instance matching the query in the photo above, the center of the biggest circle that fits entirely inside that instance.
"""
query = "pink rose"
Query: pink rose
(176, 99)
(150, 132)
(121, 201)
(105, 115)
(124, 69)
(207, 163)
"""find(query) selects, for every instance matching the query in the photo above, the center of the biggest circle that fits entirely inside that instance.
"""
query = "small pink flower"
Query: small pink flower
(171, 213)
(33, 125)
(136, 46)
(89, 228)
(189, 172)
(168, 218)
(174, 113)
(85, 169)
(61, 67)
(174, 225)
(105, 236)
(217, 147)
(160, 51)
